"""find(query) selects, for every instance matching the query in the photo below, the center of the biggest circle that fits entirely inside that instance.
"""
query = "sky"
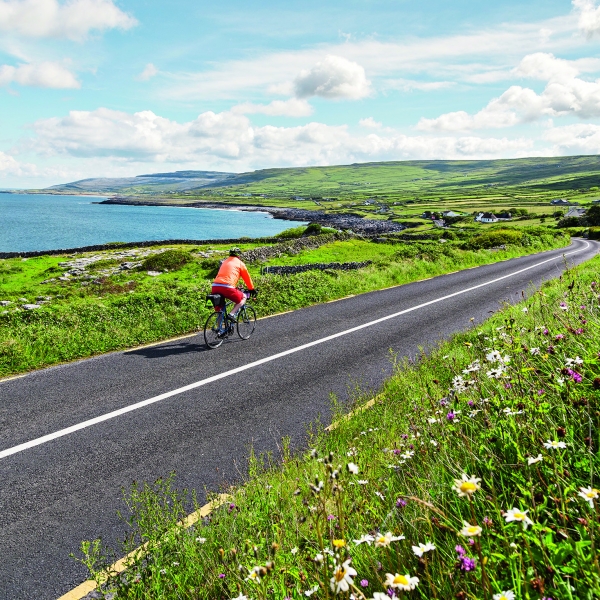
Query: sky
(117, 88)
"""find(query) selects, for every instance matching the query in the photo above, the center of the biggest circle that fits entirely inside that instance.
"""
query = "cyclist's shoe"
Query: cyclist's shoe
(232, 318)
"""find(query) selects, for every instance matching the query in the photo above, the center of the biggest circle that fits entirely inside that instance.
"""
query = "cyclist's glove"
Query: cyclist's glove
(253, 293)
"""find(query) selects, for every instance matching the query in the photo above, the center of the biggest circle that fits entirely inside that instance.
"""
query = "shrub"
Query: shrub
(169, 260)
(497, 237)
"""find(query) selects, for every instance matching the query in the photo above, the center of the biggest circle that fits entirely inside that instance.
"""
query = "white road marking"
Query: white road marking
(257, 363)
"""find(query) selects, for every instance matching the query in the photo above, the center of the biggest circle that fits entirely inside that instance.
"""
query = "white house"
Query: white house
(486, 218)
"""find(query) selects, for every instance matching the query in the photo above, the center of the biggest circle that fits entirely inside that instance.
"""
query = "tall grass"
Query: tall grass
(472, 475)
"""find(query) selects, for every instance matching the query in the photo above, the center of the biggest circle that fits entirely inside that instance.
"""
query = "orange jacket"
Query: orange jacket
(230, 272)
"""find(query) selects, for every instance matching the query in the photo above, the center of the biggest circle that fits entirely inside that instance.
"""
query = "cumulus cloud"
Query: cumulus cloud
(370, 123)
(294, 107)
(149, 71)
(9, 166)
(589, 16)
(229, 140)
(564, 94)
(333, 77)
(72, 20)
(580, 138)
(44, 74)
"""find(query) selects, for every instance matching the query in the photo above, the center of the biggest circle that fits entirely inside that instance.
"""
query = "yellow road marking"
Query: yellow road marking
(12, 377)
(88, 586)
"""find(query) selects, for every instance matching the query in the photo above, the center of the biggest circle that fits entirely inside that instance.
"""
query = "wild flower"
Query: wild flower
(575, 376)
(362, 481)
(432, 420)
(515, 514)
(466, 486)
(459, 384)
(352, 468)
(534, 351)
(254, 574)
(401, 582)
(240, 597)
(494, 356)
(365, 539)
(339, 543)
(569, 362)
(589, 494)
(508, 595)
(555, 445)
(201, 540)
(532, 460)
(384, 540)
(342, 578)
(380, 495)
(423, 548)
(364, 583)
(496, 373)
(294, 550)
(563, 306)
(319, 558)
(311, 591)
(469, 530)
(400, 503)
(525, 309)
(487, 521)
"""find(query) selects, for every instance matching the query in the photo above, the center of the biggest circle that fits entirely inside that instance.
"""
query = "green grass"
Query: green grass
(510, 407)
(131, 308)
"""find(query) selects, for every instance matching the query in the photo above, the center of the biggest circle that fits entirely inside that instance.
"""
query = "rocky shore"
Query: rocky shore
(337, 221)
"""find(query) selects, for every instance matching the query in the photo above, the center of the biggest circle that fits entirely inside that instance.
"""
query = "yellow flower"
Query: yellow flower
(401, 582)
(470, 530)
(466, 486)
(339, 543)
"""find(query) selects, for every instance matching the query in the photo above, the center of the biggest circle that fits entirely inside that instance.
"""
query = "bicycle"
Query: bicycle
(219, 325)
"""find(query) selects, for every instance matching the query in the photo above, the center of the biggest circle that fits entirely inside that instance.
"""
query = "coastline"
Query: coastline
(346, 221)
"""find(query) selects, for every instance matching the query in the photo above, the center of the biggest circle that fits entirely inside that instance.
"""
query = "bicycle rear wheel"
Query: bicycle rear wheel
(246, 322)
(214, 331)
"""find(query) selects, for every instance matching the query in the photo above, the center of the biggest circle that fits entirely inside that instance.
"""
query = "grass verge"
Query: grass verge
(472, 476)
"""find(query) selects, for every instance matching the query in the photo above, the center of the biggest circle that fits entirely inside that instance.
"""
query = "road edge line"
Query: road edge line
(120, 565)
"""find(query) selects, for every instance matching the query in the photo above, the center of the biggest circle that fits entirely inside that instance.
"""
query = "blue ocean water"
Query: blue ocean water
(31, 222)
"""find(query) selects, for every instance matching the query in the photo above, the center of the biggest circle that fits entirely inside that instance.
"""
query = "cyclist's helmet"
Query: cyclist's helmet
(235, 252)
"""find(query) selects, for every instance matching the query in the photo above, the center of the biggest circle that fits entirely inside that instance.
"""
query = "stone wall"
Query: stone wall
(349, 266)
(293, 246)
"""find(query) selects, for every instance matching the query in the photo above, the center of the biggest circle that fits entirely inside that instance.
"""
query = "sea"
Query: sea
(32, 222)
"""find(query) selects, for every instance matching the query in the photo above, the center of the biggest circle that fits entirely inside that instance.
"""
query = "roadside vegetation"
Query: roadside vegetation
(472, 474)
(61, 308)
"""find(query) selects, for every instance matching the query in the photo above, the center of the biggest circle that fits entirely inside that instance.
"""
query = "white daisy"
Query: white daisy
(516, 514)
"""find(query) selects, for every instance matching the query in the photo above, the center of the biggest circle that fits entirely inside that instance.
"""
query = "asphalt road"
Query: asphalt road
(57, 493)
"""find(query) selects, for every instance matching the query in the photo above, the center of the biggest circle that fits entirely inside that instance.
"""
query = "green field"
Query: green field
(123, 298)
(399, 191)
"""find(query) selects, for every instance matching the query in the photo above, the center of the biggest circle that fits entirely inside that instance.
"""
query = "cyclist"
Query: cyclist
(230, 272)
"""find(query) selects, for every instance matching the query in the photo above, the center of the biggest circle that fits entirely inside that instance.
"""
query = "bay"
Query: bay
(30, 222)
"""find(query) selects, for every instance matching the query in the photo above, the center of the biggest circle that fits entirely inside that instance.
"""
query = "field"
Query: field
(97, 302)
(399, 191)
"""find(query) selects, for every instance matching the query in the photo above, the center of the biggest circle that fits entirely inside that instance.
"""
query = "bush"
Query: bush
(494, 238)
(594, 233)
(292, 233)
(169, 260)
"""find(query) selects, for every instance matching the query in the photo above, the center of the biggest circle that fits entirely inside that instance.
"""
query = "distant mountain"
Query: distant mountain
(145, 184)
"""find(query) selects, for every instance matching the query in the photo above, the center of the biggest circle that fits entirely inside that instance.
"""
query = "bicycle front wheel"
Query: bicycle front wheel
(213, 330)
(246, 322)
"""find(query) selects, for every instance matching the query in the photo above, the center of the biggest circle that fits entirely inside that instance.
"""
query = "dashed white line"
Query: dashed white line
(257, 363)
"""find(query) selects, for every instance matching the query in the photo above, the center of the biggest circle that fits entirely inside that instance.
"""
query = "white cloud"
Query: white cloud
(44, 74)
(370, 123)
(9, 166)
(333, 77)
(293, 107)
(230, 141)
(149, 71)
(564, 94)
(49, 18)
(581, 138)
(408, 85)
(589, 16)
